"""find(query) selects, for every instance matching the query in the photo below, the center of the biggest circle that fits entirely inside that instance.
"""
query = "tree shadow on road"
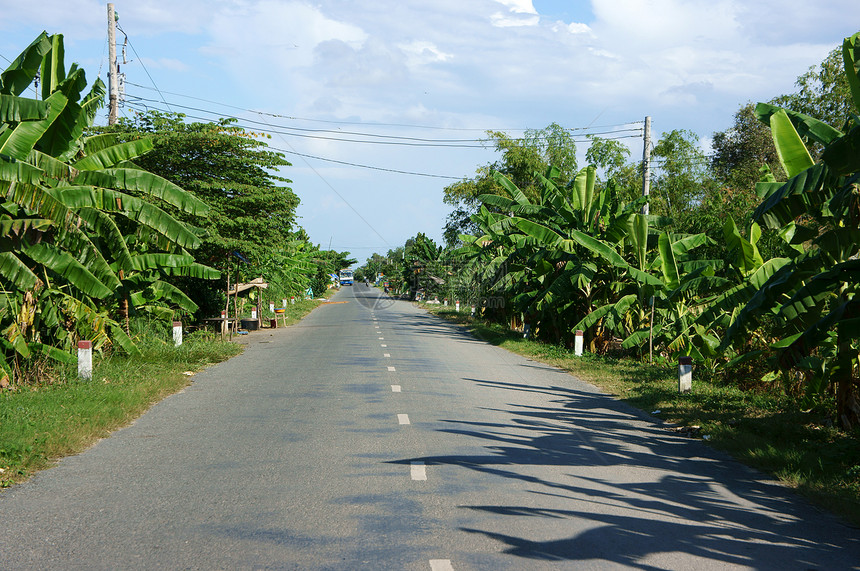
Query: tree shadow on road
(636, 492)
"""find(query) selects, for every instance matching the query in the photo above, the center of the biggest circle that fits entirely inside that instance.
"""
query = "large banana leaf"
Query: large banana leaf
(54, 168)
(15, 109)
(121, 338)
(20, 226)
(133, 208)
(511, 188)
(95, 143)
(114, 155)
(668, 265)
(19, 75)
(619, 308)
(789, 146)
(843, 154)
(66, 224)
(851, 59)
(820, 288)
(16, 272)
(603, 250)
(62, 139)
(20, 172)
(25, 136)
(805, 125)
(820, 331)
(67, 266)
(746, 254)
(111, 236)
(812, 186)
(53, 67)
(144, 262)
(143, 181)
(54, 353)
(639, 237)
(174, 295)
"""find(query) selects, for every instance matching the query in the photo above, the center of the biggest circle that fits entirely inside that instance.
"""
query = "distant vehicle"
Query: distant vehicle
(345, 277)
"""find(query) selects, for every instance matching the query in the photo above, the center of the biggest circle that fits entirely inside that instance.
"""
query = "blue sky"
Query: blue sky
(322, 75)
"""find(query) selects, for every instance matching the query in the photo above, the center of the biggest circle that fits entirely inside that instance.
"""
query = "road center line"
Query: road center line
(395, 388)
(382, 338)
(418, 471)
(403, 419)
(386, 354)
(392, 369)
(441, 565)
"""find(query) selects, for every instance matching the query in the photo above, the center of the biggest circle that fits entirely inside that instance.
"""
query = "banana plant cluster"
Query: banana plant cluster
(83, 238)
(813, 297)
(579, 260)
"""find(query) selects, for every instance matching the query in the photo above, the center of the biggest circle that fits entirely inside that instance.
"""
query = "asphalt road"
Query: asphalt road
(374, 436)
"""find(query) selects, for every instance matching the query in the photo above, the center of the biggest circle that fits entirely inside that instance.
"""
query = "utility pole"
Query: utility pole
(113, 74)
(646, 164)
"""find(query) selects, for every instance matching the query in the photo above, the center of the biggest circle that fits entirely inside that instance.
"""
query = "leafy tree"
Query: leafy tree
(523, 161)
(80, 231)
(823, 93)
(610, 157)
(251, 214)
(682, 175)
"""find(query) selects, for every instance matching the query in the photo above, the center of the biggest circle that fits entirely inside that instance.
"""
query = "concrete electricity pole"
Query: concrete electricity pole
(113, 75)
(646, 164)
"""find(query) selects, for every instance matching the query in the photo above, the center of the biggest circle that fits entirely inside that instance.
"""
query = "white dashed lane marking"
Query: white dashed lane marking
(441, 565)
(403, 419)
(386, 354)
(395, 388)
(418, 471)
(392, 369)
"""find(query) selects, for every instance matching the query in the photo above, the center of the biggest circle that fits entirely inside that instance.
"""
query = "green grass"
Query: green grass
(41, 422)
(764, 429)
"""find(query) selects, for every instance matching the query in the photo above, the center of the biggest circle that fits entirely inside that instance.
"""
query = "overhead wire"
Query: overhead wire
(370, 123)
(377, 138)
(143, 66)
(333, 189)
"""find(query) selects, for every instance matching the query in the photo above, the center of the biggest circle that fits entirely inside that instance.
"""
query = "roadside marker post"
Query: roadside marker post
(292, 300)
(473, 311)
(85, 360)
(578, 343)
(685, 374)
(177, 333)
(254, 313)
(457, 305)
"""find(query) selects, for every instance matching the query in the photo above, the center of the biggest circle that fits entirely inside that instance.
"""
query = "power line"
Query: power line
(144, 67)
(384, 139)
(333, 189)
(373, 123)
(366, 166)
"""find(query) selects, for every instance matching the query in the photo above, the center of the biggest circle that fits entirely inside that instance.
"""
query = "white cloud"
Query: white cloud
(520, 13)
(423, 52)
(577, 28)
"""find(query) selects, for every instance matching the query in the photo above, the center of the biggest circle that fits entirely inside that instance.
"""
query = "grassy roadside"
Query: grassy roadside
(64, 415)
(766, 430)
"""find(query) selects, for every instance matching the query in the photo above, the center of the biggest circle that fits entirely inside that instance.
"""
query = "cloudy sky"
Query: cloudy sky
(379, 105)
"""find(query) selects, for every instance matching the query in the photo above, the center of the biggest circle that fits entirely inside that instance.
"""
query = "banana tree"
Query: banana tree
(70, 204)
(814, 296)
